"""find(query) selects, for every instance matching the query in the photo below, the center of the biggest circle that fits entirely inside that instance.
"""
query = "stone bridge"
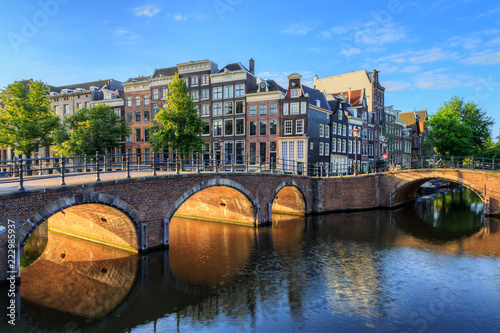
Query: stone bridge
(134, 214)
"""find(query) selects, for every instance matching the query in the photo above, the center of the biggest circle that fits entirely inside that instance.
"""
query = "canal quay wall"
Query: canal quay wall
(145, 205)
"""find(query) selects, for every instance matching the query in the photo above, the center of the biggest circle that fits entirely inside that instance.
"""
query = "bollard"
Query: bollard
(63, 167)
(97, 178)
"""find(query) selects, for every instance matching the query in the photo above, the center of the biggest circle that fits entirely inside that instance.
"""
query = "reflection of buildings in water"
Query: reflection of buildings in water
(350, 265)
(77, 277)
(208, 253)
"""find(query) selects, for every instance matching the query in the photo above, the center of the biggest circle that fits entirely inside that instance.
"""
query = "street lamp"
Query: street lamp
(355, 134)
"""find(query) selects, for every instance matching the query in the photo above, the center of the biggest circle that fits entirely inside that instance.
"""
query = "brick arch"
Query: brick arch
(292, 183)
(407, 189)
(213, 183)
(85, 197)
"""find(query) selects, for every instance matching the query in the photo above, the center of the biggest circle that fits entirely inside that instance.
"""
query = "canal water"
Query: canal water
(430, 267)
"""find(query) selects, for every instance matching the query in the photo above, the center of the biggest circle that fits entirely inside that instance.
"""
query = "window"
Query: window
(240, 107)
(311, 145)
(164, 93)
(206, 128)
(155, 110)
(299, 126)
(145, 115)
(228, 91)
(79, 105)
(327, 131)
(146, 135)
(253, 152)
(340, 114)
(228, 127)
(56, 109)
(145, 100)
(240, 90)
(195, 95)
(65, 108)
(228, 151)
(217, 109)
(262, 127)
(240, 152)
(217, 92)
(294, 108)
(300, 150)
(240, 126)
(205, 94)
(194, 81)
(294, 93)
(137, 116)
(288, 127)
(344, 131)
(321, 149)
(334, 145)
(205, 110)
(118, 112)
(350, 147)
(273, 127)
(334, 129)
(262, 109)
(129, 117)
(350, 130)
(303, 107)
(252, 128)
(129, 101)
(273, 108)
(339, 146)
(137, 100)
(205, 79)
(217, 128)
(262, 151)
(285, 108)
(137, 134)
(154, 93)
(327, 148)
(228, 107)
(343, 146)
(253, 110)
(321, 130)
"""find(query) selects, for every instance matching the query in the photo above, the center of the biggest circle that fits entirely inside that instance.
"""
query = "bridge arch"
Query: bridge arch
(106, 207)
(232, 188)
(406, 190)
(293, 200)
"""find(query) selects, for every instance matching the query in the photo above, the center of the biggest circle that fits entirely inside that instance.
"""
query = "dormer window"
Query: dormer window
(294, 93)
(318, 103)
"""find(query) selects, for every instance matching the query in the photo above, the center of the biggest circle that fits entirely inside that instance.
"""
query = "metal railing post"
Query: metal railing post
(127, 157)
(154, 164)
(97, 166)
(63, 167)
(21, 180)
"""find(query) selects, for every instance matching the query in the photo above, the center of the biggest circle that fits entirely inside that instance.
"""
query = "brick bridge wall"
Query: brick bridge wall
(150, 202)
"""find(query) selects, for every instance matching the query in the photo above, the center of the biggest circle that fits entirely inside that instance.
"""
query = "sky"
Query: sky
(426, 51)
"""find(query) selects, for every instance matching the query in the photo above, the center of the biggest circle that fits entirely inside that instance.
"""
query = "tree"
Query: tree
(178, 125)
(27, 121)
(459, 128)
(90, 130)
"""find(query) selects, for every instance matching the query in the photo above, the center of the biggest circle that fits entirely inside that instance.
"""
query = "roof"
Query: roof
(140, 78)
(272, 86)
(85, 85)
(237, 66)
(315, 95)
(168, 71)
(409, 118)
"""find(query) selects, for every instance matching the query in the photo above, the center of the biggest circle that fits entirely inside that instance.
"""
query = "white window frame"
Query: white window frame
(285, 108)
(294, 108)
(321, 130)
(299, 126)
(217, 93)
(240, 90)
(321, 149)
(217, 106)
(288, 127)
(303, 107)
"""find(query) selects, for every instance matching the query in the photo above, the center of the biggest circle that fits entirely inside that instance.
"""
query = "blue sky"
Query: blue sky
(426, 51)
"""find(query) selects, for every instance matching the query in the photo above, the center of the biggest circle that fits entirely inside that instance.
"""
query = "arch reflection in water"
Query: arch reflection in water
(208, 253)
(76, 278)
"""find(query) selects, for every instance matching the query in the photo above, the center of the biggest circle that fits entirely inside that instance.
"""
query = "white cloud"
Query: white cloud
(350, 51)
(489, 58)
(180, 17)
(436, 80)
(379, 34)
(147, 10)
(410, 69)
(301, 29)
(489, 12)
(127, 36)
(419, 57)
(395, 85)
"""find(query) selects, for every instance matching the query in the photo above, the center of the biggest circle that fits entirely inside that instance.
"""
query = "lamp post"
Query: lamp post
(355, 134)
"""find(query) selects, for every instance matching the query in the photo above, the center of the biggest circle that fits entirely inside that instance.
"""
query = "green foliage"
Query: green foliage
(90, 130)
(459, 128)
(178, 124)
(27, 122)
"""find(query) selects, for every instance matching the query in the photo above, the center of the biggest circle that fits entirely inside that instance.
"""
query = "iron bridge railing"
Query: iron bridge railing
(24, 170)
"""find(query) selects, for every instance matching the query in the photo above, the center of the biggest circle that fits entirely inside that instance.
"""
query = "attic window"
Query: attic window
(294, 93)
(318, 102)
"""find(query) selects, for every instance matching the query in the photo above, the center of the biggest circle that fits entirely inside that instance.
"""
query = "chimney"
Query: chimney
(251, 65)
